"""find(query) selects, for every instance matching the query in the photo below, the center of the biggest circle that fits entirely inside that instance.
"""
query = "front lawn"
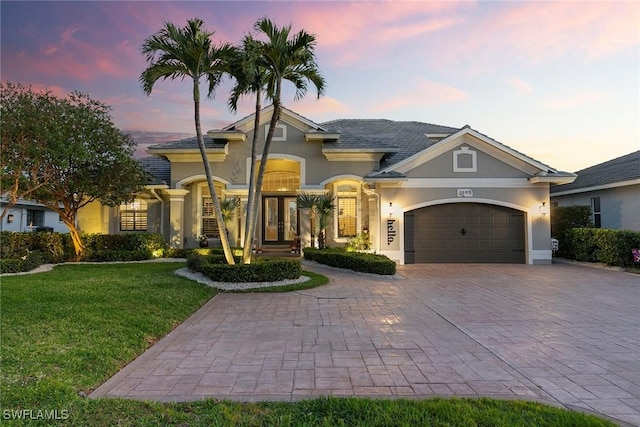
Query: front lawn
(67, 331)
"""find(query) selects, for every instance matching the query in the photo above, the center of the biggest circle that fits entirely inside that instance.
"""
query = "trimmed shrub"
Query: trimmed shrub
(565, 218)
(260, 270)
(58, 247)
(356, 261)
(611, 247)
(25, 263)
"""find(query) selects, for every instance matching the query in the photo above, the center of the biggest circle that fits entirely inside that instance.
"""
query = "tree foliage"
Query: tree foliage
(188, 52)
(65, 153)
(281, 57)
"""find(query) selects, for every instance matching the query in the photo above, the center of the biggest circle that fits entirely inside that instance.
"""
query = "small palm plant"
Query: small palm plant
(325, 207)
(308, 201)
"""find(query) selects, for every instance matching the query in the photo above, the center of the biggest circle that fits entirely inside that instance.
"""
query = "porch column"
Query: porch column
(176, 217)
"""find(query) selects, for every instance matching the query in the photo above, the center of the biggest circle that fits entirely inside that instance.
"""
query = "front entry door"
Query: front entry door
(280, 219)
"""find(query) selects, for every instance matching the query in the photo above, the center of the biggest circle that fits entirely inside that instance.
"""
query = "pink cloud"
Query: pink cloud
(576, 100)
(520, 85)
(541, 31)
(424, 93)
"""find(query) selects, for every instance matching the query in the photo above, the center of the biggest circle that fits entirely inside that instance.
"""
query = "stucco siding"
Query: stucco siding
(619, 206)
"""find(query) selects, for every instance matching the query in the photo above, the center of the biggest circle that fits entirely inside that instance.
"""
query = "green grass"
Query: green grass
(69, 330)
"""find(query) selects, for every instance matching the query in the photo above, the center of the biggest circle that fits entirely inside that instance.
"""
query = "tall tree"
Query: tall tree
(188, 52)
(250, 78)
(83, 156)
(279, 58)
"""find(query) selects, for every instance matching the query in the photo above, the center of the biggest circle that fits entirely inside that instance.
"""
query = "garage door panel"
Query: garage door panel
(464, 232)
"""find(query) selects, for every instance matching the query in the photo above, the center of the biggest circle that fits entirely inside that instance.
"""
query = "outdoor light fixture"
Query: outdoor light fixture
(10, 218)
(544, 209)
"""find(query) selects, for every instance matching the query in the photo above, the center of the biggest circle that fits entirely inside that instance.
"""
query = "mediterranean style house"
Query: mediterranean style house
(422, 192)
(611, 189)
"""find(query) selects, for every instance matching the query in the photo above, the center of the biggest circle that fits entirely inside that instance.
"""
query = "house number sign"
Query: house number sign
(465, 192)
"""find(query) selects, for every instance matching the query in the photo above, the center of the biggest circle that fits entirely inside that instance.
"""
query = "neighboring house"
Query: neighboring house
(423, 192)
(28, 216)
(611, 189)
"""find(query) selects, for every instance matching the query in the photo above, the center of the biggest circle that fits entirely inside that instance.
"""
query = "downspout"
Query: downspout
(153, 192)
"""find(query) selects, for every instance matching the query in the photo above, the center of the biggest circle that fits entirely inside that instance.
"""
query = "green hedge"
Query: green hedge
(27, 262)
(214, 266)
(611, 247)
(356, 261)
(16, 249)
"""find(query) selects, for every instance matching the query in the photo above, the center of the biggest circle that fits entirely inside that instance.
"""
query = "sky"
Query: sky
(558, 81)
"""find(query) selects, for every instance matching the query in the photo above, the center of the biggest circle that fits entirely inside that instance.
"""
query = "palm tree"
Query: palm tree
(324, 207)
(250, 78)
(188, 52)
(275, 60)
(309, 201)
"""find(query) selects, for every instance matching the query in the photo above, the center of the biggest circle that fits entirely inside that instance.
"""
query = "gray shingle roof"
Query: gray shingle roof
(620, 169)
(190, 143)
(406, 137)
(159, 168)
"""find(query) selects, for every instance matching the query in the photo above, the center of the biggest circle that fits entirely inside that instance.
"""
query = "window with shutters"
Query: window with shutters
(133, 216)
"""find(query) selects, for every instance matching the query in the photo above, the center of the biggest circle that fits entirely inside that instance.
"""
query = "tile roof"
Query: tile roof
(620, 169)
(406, 138)
(159, 168)
(190, 143)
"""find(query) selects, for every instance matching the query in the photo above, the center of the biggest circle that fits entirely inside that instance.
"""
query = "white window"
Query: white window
(347, 210)
(133, 216)
(209, 222)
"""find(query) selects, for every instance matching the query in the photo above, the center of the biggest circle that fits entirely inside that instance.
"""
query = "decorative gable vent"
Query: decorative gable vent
(280, 133)
(465, 160)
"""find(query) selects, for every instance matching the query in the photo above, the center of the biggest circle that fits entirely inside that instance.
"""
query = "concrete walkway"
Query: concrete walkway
(561, 334)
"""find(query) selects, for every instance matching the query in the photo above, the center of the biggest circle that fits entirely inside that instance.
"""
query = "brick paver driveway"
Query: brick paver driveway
(562, 334)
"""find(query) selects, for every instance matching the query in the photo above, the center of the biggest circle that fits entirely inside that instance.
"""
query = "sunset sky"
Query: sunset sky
(558, 81)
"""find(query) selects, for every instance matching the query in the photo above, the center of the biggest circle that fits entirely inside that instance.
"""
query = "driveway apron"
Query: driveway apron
(562, 334)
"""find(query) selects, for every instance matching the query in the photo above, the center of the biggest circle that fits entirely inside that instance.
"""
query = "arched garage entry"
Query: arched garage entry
(464, 232)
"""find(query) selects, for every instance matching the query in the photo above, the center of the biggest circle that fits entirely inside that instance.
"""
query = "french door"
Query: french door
(279, 219)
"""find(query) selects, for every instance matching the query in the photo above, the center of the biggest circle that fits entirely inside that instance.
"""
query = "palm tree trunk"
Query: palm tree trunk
(265, 154)
(222, 227)
(248, 230)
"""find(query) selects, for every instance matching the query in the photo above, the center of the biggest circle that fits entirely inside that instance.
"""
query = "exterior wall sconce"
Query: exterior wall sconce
(9, 218)
(544, 209)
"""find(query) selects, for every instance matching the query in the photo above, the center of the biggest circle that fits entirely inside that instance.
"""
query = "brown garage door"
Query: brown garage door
(464, 232)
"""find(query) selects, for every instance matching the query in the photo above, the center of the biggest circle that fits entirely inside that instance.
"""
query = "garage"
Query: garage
(464, 233)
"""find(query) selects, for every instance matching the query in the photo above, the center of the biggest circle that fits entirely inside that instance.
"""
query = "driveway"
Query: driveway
(561, 334)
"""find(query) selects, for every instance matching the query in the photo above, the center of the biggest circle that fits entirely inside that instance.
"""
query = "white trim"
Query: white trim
(334, 189)
(541, 254)
(276, 156)
(474, 160)
(344, 177)
(276, 138)
(445, 144)
(200, 177)
(463, 182)
(597, 187)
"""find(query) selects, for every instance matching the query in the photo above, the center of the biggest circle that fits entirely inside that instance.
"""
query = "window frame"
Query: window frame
(140, 215)
(596, 211)
(358, 206)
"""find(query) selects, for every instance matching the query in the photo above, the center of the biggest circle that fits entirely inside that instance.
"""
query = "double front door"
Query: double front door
(279, 219)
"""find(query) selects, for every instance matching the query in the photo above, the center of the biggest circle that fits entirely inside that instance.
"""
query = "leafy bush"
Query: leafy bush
(356, 261)
(58, 247)
(611, 247)
(27, 262)
(566, 218)
(265, 269)
(361, 242)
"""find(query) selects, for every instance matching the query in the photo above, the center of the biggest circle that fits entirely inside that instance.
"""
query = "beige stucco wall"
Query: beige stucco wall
(526, 198)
